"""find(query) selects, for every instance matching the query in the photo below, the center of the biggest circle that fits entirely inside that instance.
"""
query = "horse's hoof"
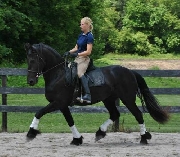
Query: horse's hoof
(99, 135)
(148, 135)
(77, 141)
(32, 133)
(143, 140)
(145, 137)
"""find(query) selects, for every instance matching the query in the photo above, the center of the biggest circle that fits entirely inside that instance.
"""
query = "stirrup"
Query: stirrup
(81, 100)
(78, 98)
(87, 101)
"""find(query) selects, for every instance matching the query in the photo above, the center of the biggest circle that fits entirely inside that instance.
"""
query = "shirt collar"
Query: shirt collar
(86, 33)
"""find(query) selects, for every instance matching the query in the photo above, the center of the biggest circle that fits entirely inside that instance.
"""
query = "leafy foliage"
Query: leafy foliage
(11, 26)
(120, 26)
(152, 27)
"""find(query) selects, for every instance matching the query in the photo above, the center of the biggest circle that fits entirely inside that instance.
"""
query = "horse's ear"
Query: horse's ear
(27, 46)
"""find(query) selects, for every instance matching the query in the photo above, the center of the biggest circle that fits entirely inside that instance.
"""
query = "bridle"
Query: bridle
(38, 72)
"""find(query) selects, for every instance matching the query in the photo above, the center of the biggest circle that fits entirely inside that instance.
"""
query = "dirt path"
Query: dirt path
(163, 64)
(113, 145)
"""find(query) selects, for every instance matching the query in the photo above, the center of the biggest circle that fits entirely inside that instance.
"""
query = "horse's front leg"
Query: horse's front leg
(33, 130)
(77, 138)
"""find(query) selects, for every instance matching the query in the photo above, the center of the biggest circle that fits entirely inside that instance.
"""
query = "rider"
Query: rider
(81, 52)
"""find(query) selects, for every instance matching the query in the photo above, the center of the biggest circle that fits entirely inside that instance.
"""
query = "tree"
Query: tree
(50, 22)
(55, 23)
(172, 5)
(155, 24)
(12, 24)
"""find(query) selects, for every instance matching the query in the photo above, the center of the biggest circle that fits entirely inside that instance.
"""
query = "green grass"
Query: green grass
(40, 100)
(19, 122)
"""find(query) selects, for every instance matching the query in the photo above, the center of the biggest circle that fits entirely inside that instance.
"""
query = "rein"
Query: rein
(51, 68)
(41, 73)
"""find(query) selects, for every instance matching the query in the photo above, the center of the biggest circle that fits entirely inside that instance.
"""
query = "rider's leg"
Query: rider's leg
(87, 95)
(82, 65)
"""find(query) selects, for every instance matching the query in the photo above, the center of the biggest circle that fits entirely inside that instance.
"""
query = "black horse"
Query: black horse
(120, 82)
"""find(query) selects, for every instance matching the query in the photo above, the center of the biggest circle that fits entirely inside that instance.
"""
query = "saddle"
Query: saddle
(93, 74)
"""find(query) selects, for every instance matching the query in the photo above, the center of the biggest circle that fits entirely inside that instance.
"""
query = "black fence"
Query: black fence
(4, 90)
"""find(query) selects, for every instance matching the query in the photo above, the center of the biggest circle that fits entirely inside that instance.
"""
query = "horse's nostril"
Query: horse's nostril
(31, 82)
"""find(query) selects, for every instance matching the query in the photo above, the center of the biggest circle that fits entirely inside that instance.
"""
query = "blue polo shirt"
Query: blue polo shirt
(83, 40)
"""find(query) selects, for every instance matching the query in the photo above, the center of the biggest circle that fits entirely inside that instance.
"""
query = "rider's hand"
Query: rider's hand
(74, 55)
(66, 54)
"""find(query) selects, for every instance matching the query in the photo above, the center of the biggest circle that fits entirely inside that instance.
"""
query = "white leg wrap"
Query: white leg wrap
(142, 129)
(34, 123)
(75, 132)
(105, 125)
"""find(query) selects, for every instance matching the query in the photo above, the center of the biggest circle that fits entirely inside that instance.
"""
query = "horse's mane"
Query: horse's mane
(48, 47)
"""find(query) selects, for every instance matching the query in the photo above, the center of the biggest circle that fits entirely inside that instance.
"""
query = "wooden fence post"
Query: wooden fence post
(4, 102)
(116, 123)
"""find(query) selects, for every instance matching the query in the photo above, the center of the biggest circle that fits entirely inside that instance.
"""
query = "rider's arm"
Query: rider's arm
(74, 49)
(87, 52)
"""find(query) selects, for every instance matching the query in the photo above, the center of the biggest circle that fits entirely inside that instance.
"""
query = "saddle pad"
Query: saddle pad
(95, 77)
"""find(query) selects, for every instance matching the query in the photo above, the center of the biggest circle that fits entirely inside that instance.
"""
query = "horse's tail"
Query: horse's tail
(152, 104)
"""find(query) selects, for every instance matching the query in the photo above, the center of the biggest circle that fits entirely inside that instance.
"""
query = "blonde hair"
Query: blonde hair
(88, 21)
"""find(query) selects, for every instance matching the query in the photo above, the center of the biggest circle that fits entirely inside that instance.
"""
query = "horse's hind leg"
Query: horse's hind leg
(114, 115)
(131, 105)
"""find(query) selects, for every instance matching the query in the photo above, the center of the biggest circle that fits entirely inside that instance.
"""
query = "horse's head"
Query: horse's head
(35, 62)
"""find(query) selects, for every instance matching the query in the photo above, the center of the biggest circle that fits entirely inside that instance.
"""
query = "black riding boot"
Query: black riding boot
(87, 96)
